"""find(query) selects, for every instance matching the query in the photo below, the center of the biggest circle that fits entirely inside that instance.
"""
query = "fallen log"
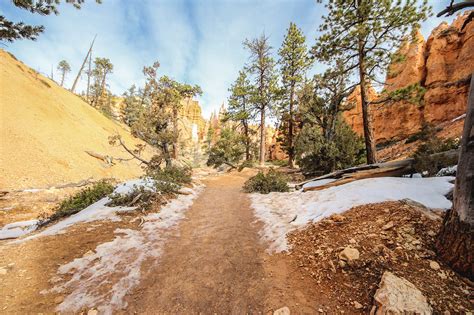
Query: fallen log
(387, 169)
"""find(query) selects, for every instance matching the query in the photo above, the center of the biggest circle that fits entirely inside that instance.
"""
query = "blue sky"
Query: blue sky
(197, 42)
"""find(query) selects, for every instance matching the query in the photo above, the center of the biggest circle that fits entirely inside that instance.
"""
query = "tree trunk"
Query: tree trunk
(291, 149)
(89, 78)
(262, 136)
(62, 77)
(176, 133)
(368, 132)
(455, 242)
(82, 66)
(166, 154)
(247, 141)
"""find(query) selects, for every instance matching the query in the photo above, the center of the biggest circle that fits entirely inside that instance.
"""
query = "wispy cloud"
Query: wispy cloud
(198, 42)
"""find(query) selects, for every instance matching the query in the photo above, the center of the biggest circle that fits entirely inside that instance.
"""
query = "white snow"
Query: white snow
(448, 171)
(277, 210)
(120, 259)
(17, 229)
(318, 183)
(94, 212)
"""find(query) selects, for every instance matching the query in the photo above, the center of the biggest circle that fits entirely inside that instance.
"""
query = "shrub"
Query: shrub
(79, 201)
(229, 149)
(426, 132)
(139, 195)
(169, 179)
(316, 154)
(264, 184)
(429, 165)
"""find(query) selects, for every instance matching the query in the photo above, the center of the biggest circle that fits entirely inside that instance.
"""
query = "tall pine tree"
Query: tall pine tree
(240, 110)
(366, 33)
(294, 63)
(262, 68)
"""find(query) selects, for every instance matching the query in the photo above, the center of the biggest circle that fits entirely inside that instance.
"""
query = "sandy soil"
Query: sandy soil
(45, 131)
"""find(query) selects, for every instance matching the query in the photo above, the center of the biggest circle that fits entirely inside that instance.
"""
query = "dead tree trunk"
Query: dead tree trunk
(82, 67)
(455, 242)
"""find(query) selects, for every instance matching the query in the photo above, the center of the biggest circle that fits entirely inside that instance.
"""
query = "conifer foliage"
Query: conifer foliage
(365, 33)
(294, 62)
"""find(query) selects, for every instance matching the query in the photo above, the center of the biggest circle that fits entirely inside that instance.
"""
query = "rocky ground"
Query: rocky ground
(346, 256)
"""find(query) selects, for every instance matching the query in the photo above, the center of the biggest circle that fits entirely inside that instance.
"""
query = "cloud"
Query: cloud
(198, 42)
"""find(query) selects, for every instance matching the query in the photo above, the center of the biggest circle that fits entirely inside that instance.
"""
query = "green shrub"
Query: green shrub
(229, 149)
(429, 165)
(264, 184)
(170, 179)
(316, 154)
(79, 201)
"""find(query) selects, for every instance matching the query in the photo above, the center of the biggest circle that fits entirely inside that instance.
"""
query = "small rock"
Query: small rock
(58, 299)
(349, 254)
(434, 265)
(431, 233)
(282, 311)
(320, 310)
(338, 218)
(11, 265)
(388, 226)
(3, 271)
(352, 241)
(357, 305)
(95, 312)
(442, 275)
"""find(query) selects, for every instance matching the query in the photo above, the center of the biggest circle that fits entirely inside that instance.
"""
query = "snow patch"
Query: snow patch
(120, 260)
(278, 210)
(318, 183)
(448, 171)
(17, 229)
(94, 212)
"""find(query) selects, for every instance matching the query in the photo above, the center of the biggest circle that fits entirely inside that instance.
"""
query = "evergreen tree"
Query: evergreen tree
(262, 68)
(294, 62)
(240, 110)
(63, 68)
(132, 107)
(102, 67)
(11, 31)
(365, 33)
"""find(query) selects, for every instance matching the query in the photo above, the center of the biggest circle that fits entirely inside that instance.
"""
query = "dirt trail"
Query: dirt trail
(216, 262)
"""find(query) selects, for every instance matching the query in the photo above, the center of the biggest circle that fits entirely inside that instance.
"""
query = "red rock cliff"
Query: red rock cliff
(441, 65)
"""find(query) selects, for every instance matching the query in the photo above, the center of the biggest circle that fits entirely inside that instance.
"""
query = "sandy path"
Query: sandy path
(216, 262)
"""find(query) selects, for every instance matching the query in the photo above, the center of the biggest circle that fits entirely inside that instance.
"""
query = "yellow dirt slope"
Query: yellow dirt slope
(45, 131)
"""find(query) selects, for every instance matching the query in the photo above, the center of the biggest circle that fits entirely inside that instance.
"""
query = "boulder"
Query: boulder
(399, 296)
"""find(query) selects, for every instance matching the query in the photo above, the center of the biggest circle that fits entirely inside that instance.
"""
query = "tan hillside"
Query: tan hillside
(45, 131)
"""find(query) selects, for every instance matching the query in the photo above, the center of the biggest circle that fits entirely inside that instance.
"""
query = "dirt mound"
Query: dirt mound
(390, 236)
(45, 131)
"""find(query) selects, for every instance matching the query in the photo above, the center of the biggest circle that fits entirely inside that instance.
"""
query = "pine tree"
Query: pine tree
(102, 67)
(262, 68)
(132, 108)
(365, 33)
(11, 31)
(240, 110)
(294, 62)
(63, 68)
